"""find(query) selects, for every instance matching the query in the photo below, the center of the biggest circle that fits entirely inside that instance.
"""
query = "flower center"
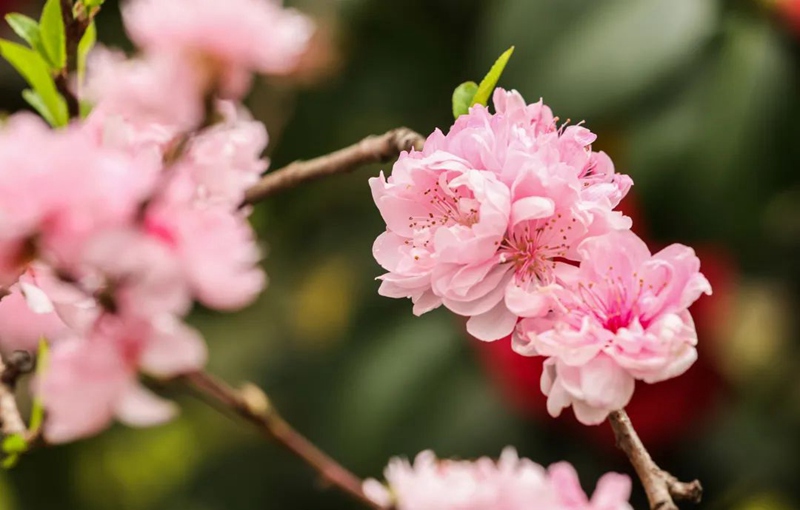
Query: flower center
(445, 207)
(535, 246)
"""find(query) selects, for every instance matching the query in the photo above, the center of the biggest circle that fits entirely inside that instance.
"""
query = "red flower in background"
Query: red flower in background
(663, 413)
(790, 10)
(7, 6)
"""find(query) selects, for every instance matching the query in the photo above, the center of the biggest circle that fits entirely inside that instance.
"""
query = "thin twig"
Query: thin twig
(252, 405)
(74, 28)
(372, 149)
(11, 421)
(660, 486)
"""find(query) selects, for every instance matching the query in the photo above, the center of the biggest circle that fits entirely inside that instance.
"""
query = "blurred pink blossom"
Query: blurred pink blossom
(158, 88)
(92, 379)
(225, 159)
(27, 316)
(57, 190)
(229, 39)
(510, 483)
(215, 248)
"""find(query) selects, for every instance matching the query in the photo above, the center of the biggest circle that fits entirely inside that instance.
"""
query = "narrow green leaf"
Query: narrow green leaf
(10, 461)
(42, 361)
(14, 443)
(93, 3)
(36, 72)
(489, 82)
(84, 47)
(35, 100)
(462, 98)
(28, 29)
(51, 27)
(86, 108)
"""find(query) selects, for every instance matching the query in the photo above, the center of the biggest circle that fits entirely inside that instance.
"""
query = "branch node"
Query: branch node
(255, 399)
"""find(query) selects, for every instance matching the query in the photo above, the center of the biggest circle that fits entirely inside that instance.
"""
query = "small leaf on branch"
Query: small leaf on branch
(14, 444)
(84, 47)
(462, 98)
(37, 412)
(489, 81)
(37, 103)
(10, 461)
(32, 66)
(51, 26)
(28, 29)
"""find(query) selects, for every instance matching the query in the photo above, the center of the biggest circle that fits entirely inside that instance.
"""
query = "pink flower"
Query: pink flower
(533, 191)
(215, 246)
(27, 316)
(510, 483)
(91, 381)
(229, 39)
(153, 89)
(622, 316)
(137, 273)
(58, 190)
(224, 160)
(438, 212)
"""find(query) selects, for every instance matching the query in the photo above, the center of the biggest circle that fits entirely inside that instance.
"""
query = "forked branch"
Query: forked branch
(661, 487)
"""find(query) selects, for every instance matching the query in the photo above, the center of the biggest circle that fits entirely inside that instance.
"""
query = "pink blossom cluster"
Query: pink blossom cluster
(509, 483)
(111, 228)
(509, 219)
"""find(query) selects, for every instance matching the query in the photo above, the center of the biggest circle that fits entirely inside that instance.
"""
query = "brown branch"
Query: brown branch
(660, 486)
(74, 28)
(11, 421)
(372, 149)
(251, 404)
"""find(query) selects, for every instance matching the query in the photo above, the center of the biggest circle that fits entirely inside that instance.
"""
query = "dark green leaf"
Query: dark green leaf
(462, 98)
(489, 81)
(34, 69)
(10, 461)
(51, 26)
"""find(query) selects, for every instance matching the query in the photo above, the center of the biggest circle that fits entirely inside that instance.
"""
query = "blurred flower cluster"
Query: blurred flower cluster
(112, 226)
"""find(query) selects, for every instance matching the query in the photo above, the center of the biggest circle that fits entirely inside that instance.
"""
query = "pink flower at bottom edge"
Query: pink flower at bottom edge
(510, 483)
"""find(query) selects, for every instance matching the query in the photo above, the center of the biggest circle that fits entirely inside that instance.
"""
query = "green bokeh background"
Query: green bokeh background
(695, 99)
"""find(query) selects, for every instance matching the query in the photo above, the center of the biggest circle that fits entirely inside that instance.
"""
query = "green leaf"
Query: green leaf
(42, 361)
(37, 103)
(32, 66)
(28, 29)
(93, 3)
(86, 108)
(489, 81)
(10, 461)
(51, 26)
(84, 47)
(14, 443)
(462, 98)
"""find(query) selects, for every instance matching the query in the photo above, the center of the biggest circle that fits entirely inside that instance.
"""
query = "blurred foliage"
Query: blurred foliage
(696, 99)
